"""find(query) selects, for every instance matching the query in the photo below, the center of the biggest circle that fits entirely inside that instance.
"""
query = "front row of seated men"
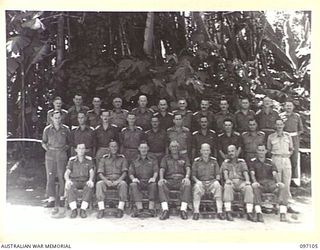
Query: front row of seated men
(174, 174)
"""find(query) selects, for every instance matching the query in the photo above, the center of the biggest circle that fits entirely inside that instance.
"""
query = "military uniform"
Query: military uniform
(174, 172)
(165, 121)
(112, 169)
(186, 117)
(157, 142)
(64, 115)
(196, 117)
(198, 138)
(130, 141)
(94, 118)
(119, 118)
(143, 169)
(266, 122)
(263, 174)
(293, 125)
(242, 120)
(85, 136)
(183, 137)
(143, 119)
(224, 141)
(57, 142)
(79, 176)
(73, 115)
(250, 143)
(103, 138)
(219, 117)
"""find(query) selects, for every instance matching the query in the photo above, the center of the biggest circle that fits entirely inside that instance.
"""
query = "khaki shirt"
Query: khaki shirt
(174, 168)
(280, 145)
(94, 119)
(119, 118)
(250, 142)
(143, 119)
(205, 171)
(144, 169)
(73, 115)
(242, 120)
(80, 171)
(56, 139)
(186, 117)
(235, 170)
(112, 168)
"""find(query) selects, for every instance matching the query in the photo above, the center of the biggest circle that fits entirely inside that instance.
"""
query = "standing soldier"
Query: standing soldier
(243, 115)
(264, 175)
(143, 172)
(164, 116)
(206, 175)
(293, 125)
(175, 175)
(156, 139)
(143, 114)
(130, 138)
(180, 134)
(82, 134)
(251, 140)
(223, 114)
(104, 134)
(204, 105)
(204, 135)
(186, 114)
(112, 171)
(55, 141)
(118, 115)
(57, 105)
(95, 113)
(236, 176)
(79, 175)
(75, 109)
(266, 117)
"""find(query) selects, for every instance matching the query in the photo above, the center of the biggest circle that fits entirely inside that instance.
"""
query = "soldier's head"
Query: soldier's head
(117, 102)
(279, 125)
(113, 145)
(227, 125)
(80, 149)
(205, 150)
(155, 122)
(267, 102)
(174, 147)
(77, 100)
(204, 122)
(131, 118)
(56, 117)
(232, 152)
(163, 105)
(105, 116)
(224, 105)
(182, 103)
(289, 106)
(143, 148)
(57, 103)
(177, 120)
(96, 102)
(82, 118)
(261, 151)
(143, 101)
(204, 105)
(252, 123)
(244, 103)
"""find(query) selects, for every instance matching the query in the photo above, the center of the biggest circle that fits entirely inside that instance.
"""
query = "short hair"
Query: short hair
(279, 119)
(80, 144)
(203, 116)
(182, 99)
(82, 112)
(96, 97)
(261, 144)
(228, 120)
(105, 111)
(131, 113)
(143, 142)
(77, 94)
(155, 116)
(163, 99)
(252, 119)
(204, 99)
(244, 98)
(111, 141)
(175, 115)
(57, 98)
(223, 98)
(174, 143)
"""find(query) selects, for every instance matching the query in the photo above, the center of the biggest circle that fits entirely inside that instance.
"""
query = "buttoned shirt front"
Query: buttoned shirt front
(198, 138)
(112, 167)
(104, 136)
(56, 139)
(186, 117)
(219, 117)
(157, 141)
(174, 168)
(242, 120)
(94, 118)
(131, 139)
(251, 141)
(86, 136)
(143, 119)
(205, 170)
(80, 171)
(262, 169)
(267, 121)
(280, 144)
(73, 114)
(166, 121)
(235, 169)
(292, 122)
(144, 169)
(224, 141)
(119, 118)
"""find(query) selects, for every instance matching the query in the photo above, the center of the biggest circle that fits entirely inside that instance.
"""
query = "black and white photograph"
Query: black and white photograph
(158, 121)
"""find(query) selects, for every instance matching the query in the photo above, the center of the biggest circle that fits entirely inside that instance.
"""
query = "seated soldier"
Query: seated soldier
(112, 171)
(143, 172)
(79, 175)
(206, 175)
(236, 177)
(265, 178)
(175, 175)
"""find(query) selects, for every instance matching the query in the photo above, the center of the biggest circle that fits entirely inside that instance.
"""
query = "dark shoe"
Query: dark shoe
(283, 217)
(164, 215)
(291, 211)
(221, 216)
(100, 214)
(250, 217)
(260, 217)
(293, 184)
(183, 215)
(152, 212)
(83, 213)
(196, 216)
(119, 213)
(229, 216)
(62, 203)
(136, 213)
(50, 204)
(74, 213)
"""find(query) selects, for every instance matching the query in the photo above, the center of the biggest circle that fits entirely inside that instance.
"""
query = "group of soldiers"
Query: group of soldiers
(155, 152)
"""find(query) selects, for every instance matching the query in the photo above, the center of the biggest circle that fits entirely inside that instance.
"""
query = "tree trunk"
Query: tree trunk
(60, 47)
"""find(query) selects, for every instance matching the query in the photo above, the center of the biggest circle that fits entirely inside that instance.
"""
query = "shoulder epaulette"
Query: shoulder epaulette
(213, 158)
(212, 131)
(175, 111)
(124, 129)
(90, 111)
(253, 159)
(244, 133)
(148, 131)
(88, 157)
(48, 126)
(139, 128)
(195, 132)
(236, 133)
(92, 128)
(258, 112)
(151, 110)
(75, 128)
(269, 159)
(185, 129)
(169, 129)
(155, 114)
(121, 155)
(170, 113)
(134, 109)
(106, 155)
(195, 113)
(238, 111)
(65, 126)
(189, 111)
(219, 135)
(114, 125)
(226, 160)
(241, 160)
(261, 133)
(197, 159)
(124, 110)
(286, 133)
(72, 158)
(97, 127)
(51, 110)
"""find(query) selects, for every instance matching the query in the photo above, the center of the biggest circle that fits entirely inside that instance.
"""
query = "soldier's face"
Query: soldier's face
(205, 151)
(261, 151)
(117, 103)
(279, 125)
(178, 120)
(289, 106)
(224, 105)
(143, 101)
(81, 149)
(204, 105)
(105, 117)
(204, 123)
(182, 104)
(245, 104)
(113, 147)
(267, 102)
(82, 119)
(56, 119)
(131, 120)
(232, 152)
(163, 106)
(57, 104)
(174, 149)
(77, 100)
(143, 149)
(227, 126)
(155, 122)
(96, 102)
(252, 126)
